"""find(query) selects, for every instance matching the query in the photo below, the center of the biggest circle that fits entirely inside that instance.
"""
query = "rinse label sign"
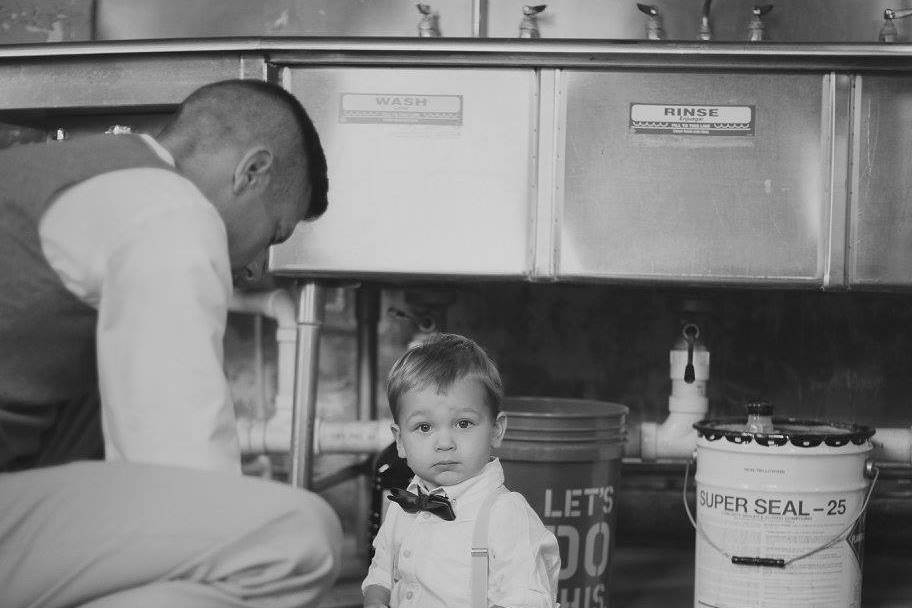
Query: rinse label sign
(400, 108)
(690, 119)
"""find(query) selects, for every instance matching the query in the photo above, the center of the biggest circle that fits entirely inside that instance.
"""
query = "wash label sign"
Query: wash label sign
(692, 119)
(400, 108)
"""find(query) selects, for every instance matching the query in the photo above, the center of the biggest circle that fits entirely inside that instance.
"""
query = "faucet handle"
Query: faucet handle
(654, 27)
(648, 9)
(888, 32)
(756, 29)
(705, 31)
(528, 27)
(429, 26)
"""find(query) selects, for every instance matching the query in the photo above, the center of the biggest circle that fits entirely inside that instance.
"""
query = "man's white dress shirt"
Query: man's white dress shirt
(148, 251)
(425, 560)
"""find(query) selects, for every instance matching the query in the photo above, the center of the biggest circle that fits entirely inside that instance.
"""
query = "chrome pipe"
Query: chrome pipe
(367, 305)
(309, 326)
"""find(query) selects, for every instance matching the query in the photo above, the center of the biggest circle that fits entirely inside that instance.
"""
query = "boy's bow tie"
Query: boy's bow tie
(412, 503)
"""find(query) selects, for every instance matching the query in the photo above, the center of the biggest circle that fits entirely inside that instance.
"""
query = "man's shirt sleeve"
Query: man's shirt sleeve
(151, 256)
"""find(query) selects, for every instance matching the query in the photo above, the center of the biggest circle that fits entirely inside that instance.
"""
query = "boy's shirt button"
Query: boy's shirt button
(409, 595)
(406, 553)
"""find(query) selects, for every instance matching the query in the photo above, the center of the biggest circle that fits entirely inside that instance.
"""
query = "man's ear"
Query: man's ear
(253, 170)
(400, 450)
(500, 427)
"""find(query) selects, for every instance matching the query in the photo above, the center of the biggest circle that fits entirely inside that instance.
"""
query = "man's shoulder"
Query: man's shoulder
(150, 195)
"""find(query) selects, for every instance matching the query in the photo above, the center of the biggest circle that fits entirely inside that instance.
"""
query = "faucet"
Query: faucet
(888, 32)
(654, 29)
(429, 26)
(528, 27)
(705, 31)
(756, 29)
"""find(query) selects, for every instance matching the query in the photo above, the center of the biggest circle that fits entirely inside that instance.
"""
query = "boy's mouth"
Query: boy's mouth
(445, 463)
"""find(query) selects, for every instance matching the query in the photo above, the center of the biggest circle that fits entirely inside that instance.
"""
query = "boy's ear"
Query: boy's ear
(500, 427)
(400, 449)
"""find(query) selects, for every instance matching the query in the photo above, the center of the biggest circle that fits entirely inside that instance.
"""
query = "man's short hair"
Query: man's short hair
(240, 105)
(440, 361)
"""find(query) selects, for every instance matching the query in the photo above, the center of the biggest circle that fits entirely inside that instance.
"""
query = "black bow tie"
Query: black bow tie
(412, 503)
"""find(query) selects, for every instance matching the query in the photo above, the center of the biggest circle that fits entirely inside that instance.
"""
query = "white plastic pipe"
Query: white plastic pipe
(687, 404)
(278, 305)
(273, 435)
(893, 444)
(675, 438)
(355, 437)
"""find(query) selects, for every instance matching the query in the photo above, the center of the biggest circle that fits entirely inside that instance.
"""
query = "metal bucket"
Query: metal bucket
(564, 456)
(780, 515)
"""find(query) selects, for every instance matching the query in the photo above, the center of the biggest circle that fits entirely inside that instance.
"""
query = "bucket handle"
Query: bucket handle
(774, 562)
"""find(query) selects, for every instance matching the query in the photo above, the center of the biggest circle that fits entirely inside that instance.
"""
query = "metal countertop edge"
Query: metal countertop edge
(458, 51)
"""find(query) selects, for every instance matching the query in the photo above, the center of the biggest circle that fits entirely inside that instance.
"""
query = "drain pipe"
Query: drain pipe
(687, 404)
(309, 325)
(675, 437)
(893, 444)
(273, 435)
(367, 314)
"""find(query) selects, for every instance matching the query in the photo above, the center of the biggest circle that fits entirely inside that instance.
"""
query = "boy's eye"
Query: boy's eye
(424, 427)
(464, 424)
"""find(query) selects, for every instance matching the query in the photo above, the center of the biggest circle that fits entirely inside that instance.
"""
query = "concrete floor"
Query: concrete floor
(663, 577)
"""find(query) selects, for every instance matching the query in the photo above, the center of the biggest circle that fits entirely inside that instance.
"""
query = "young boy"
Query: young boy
(445, 397)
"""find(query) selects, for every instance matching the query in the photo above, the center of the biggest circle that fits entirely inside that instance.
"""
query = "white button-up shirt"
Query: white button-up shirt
(425, 561)
(147, 250)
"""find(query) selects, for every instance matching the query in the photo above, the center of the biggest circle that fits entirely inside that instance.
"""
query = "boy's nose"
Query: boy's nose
(445, 442)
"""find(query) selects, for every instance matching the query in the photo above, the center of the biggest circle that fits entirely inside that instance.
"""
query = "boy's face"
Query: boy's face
(447, 437)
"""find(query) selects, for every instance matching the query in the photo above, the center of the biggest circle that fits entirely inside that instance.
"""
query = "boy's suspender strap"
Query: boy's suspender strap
(480, 557)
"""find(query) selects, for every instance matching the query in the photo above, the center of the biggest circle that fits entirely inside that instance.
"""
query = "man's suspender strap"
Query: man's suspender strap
(480, 557)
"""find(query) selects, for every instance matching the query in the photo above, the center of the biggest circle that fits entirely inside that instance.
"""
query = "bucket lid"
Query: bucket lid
(544, 408)
(799, 432)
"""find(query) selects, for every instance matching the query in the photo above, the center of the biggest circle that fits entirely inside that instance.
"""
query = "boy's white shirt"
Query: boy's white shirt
(433, 555)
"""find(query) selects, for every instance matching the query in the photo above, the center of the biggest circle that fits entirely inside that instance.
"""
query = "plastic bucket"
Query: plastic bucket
(780, 515)
(564, 456)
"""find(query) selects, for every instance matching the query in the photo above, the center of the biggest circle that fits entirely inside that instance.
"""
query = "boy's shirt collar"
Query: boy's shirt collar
(489, 478)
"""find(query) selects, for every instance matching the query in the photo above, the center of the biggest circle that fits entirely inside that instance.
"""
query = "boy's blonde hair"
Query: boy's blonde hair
(440, 361)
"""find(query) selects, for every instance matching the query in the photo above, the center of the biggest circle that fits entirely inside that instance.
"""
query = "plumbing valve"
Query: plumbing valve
(654, 27)
(528, 27)
(888, 32)
(429, 25)
(425, 324)
(756, 29)
(705, 31)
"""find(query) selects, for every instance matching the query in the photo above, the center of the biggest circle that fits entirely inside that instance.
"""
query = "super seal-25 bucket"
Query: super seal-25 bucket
(780, 512)
(564, 455)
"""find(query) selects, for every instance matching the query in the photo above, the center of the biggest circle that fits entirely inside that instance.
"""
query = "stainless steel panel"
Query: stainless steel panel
(548, 167)
(691, 207)
(111, 81)
(141, 19)
(839, 91)
(419, 198)
(791, 21)
(880, 231)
